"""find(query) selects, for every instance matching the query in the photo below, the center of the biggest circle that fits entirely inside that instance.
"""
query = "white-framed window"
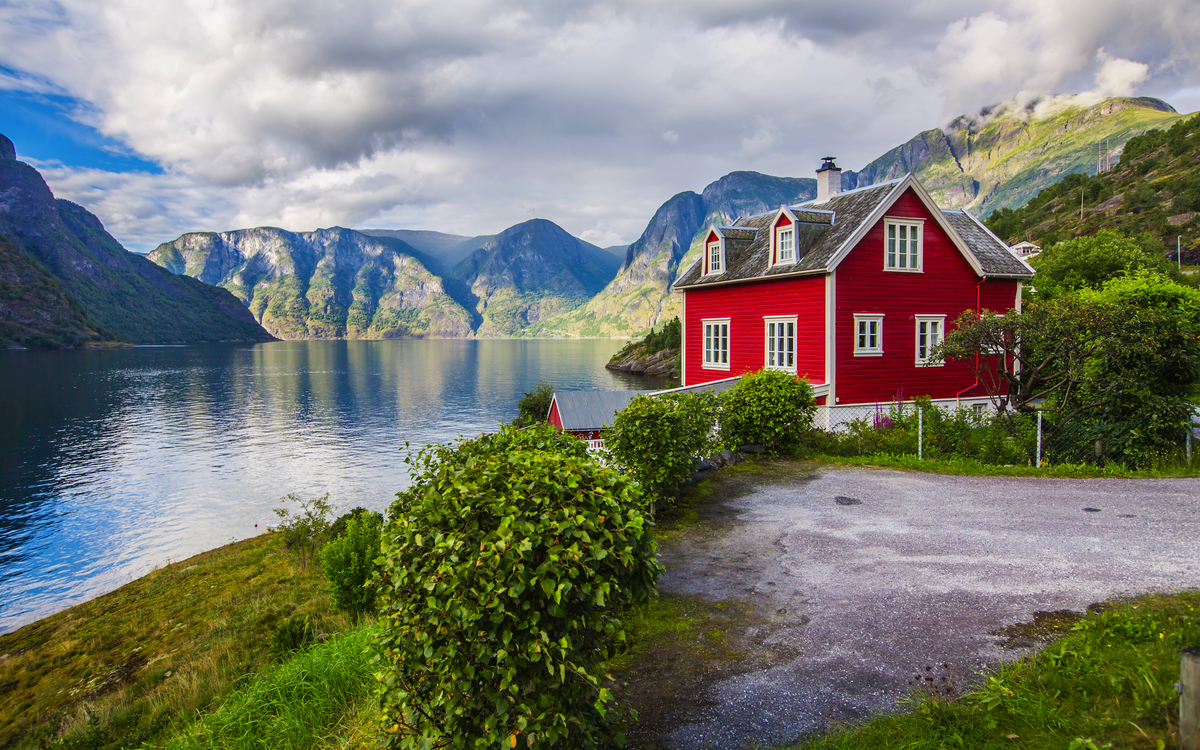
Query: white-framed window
(930, 329)
(716, 344)
(780, 345)
(716, 258)
(902, 244)
(785, 245)
(868, 335)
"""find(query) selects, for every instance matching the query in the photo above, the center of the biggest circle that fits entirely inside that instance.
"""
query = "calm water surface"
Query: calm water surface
(113, 462)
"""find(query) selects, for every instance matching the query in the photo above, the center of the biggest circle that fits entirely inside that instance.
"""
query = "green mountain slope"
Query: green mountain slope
(121, 293)
(530, 272)
(331, 283)
(1003, 159)
(1154, 188)
(36, 310)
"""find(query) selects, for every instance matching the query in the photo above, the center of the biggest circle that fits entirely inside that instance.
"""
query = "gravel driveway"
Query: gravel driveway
(862, 577)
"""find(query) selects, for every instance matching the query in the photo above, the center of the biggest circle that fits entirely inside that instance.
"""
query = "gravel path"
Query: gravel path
(867, 576)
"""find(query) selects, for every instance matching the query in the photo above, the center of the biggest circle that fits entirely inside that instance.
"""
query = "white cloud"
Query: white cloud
(465, 115)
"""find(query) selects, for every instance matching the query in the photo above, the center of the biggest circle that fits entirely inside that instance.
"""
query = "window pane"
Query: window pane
(891, 253)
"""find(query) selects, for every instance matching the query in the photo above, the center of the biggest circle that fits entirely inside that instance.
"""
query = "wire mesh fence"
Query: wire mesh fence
(976, 431)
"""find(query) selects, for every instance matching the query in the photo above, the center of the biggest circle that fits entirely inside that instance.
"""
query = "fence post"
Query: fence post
(1190, 431)
(921, 433)
(1189, 699)
(1039, 444)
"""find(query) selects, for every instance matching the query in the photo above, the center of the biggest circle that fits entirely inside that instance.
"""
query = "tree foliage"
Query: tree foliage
(658, 439)
(534, 405)
(505, 568)
(303, 531)
(349, 563)
(1089, 262)
(1123, 361)
(770, 408)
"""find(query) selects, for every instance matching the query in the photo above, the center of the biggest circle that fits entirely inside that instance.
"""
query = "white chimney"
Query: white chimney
(829, 180)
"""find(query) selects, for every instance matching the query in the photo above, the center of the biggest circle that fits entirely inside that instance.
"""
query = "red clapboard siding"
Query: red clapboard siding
(947, 286)
(554, 418)
(746, 305)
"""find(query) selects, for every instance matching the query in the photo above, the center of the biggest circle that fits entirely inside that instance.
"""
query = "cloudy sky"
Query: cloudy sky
(468, 116)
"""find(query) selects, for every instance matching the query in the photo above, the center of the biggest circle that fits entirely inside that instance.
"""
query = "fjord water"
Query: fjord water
(113, 462)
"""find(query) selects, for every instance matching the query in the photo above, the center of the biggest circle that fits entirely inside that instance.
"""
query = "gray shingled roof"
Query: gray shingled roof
(993, 255)
(593, 410)
(818, 240)
(590, 410)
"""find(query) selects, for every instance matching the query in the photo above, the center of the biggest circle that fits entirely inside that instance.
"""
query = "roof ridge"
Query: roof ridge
(859, 189)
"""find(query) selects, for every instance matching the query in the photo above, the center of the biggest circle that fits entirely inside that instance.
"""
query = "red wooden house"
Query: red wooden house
(851, 289)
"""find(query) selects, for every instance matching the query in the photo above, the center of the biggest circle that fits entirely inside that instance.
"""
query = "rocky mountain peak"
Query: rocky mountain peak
(8, 152)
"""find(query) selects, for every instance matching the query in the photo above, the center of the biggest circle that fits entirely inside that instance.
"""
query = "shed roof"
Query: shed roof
(591, 410)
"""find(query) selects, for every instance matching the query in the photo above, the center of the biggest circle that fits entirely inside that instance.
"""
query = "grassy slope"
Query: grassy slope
(1140, 194)
(129, 666)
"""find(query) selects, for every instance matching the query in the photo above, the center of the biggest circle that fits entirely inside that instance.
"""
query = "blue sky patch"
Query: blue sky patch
(41, 128)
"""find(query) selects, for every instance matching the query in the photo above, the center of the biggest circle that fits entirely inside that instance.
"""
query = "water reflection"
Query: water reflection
(114, 461)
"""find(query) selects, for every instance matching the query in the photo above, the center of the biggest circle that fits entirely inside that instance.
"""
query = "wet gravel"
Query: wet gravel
(867, 577)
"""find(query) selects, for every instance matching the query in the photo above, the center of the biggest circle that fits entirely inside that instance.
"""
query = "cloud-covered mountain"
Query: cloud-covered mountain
(331, 283)
(73, 283)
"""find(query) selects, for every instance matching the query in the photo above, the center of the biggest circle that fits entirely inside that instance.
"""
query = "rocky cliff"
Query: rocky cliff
(331, 283)
(120, 295)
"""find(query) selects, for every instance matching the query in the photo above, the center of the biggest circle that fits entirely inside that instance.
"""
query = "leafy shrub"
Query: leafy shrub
(349, 563)
(505, 568)
(338, 527)
(657, 439)
(293, 634)
(768, 408)
(534, 405)
(303, 531)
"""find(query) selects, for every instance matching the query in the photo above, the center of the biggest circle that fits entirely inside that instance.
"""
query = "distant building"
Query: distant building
(852, 289)
(1026, 249)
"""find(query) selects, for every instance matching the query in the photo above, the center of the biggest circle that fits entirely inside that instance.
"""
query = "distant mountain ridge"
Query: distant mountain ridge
(331, 283)
(68, 282)
(529, 272)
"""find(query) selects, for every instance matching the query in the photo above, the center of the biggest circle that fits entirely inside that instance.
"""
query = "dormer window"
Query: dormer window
(715, 257)
(785, 245)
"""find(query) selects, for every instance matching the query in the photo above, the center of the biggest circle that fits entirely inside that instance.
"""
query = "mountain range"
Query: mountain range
(65, 281)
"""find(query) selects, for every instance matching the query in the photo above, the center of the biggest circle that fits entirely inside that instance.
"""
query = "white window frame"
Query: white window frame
(790, 229)
(715, 357)
(717, 248)
(779, 329)
(891, 253)
(933, 338)
(867, 350)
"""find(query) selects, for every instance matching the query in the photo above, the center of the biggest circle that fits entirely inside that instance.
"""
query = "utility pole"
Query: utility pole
(1179, 251)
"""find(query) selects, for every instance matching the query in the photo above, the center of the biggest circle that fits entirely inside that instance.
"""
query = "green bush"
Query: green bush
(303, 531)
(505, 567)
(534, 405)
(338, 527)
(768, 408)
(657, 439)
(349, 563)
